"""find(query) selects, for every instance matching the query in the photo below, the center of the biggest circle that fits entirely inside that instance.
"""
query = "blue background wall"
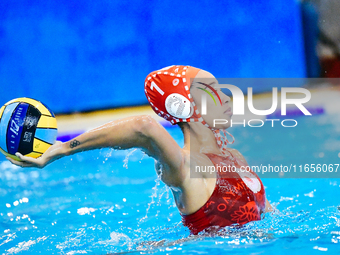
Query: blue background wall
(86, 55)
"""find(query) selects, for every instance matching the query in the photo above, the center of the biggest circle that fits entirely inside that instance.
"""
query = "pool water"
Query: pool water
(111, 201)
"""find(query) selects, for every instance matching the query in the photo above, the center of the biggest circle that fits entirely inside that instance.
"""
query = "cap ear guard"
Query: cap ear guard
(168, 92)
(179, 106)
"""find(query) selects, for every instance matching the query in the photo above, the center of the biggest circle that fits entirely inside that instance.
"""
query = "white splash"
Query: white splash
(127, 158)
(85, 210)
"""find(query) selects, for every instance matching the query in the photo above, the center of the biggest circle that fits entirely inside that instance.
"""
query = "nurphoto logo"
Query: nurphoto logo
(239, 103)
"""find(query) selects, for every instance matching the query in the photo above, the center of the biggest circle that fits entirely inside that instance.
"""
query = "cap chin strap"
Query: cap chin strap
(222, 139)
(221, 135)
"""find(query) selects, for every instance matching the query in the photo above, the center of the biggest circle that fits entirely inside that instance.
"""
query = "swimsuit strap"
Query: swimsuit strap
(227, 155)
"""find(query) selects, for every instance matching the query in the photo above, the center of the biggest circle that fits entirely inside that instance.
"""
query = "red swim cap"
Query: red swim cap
(168, 92)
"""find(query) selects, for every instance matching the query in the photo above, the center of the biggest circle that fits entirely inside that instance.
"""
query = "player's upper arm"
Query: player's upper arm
(159, 144)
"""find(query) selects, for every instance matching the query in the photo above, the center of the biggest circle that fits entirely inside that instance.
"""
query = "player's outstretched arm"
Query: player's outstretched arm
(138, 131)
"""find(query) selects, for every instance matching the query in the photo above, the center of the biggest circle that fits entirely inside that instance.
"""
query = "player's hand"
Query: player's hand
(51, 154)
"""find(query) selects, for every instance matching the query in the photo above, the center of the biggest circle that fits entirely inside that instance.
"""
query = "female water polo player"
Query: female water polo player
(206, 200)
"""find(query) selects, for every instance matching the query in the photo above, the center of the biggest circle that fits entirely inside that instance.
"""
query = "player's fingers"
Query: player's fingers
(19, 163)
(25, 159)
(28, 161)
(15, 162)
(27, 164)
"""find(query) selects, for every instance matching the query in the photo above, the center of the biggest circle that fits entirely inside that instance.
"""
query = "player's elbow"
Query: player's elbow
(146, 125)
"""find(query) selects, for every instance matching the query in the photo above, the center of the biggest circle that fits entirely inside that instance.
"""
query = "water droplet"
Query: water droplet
(127, 158)
(153, 196)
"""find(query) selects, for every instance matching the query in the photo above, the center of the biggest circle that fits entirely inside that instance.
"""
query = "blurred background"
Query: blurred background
(80, 56)
(87, 60)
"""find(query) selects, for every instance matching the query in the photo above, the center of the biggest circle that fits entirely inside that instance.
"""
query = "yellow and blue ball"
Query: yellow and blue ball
(26, 126)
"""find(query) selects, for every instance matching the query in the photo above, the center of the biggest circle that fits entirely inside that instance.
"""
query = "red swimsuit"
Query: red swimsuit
(237, 198)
